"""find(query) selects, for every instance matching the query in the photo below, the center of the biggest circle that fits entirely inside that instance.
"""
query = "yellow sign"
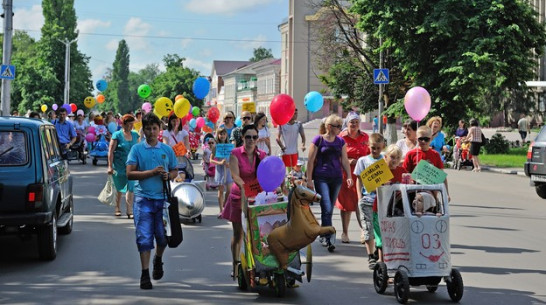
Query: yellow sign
(250, 107)
(376, 175)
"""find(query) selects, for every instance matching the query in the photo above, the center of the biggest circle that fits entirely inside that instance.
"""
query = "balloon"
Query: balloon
(417, 103)
(201, 87)
(193, 123)
(195, 110)
(54, 107)
(200, 122)
(68, 108)
(238, 121)
(147, 107)
(282, 108)
(112, 127)
(182, 107)
(73, 107)
(209, 124)
(313, 101)
(207, 128)
(89, 102)
(271, 173)
(101, 85)
(44, 108)
(100, 98)
(213, 114)
(178, 97)
(80, 112)
(144, 91)
(159, 115)
(163, 106)
(91, 130)
(90, 137)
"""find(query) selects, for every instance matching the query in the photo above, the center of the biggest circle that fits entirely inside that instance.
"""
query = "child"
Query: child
(296, 175)
(209, 168)
(150, 162)
(222, 176)
(393, 156)
(365, 198)
(424, 152)
(423, 202)
(465, 148)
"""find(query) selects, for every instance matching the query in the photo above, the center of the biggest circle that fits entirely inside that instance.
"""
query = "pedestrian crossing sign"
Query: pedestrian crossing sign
(381, 76)
(7, 72)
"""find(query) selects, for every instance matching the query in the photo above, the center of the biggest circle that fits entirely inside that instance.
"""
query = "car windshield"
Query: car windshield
(12, 148)
(541, 135)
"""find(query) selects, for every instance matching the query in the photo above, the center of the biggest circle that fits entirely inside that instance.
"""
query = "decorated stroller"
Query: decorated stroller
(461, 157)
(77, 150)
(274, 239)
(195, 139)
(416, 249)
(190, 193)
(99, 149)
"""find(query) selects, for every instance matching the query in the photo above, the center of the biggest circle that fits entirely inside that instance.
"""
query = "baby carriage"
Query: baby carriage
(210, 171)
(190, 193)
(275, 235)
(77, 150)
(194, 138)
(99, 149)
(461, 157)
(416, 246)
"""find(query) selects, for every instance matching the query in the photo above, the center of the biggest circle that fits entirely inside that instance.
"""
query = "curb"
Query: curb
(503, 171)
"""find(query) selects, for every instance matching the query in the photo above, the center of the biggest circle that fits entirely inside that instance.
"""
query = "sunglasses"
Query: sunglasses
(210, 143)
(251, 138)
(229, 118)
(424, 139)
(247, 118)
(336, 126)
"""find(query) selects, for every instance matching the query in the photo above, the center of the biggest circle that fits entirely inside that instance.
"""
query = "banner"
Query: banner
(426, 173)
(250, 107)
(376, 175)
(223, 150)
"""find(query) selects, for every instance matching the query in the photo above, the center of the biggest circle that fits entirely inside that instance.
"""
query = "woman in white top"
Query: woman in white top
(409, 129)
(264, 142)
(175, 133)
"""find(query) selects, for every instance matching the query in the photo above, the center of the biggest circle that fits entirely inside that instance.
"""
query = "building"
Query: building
(216, 93)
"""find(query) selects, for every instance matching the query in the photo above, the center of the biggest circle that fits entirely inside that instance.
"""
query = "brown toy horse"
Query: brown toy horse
(301, 229)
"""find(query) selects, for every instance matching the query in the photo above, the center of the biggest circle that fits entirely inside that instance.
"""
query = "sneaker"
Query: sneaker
(330, 246)
(323, 241)
(371, 263)
(345, 238)
(145, 282)
(158, 268)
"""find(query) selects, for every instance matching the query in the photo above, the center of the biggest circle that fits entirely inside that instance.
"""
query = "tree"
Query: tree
(120, 78)
(144, 76)
(464, 52)
(261, 53)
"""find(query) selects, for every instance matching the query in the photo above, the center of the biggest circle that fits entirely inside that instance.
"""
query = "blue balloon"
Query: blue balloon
(68, 108)
(193, 123)
(209, 124)
(101, 85)
(238, 121)
(112, 127)
(201, 87)
(313, 101)
(271, 173)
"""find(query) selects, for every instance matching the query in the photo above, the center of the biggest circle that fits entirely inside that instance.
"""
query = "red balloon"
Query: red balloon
(282, 108)
(73, 107)
(213, 114)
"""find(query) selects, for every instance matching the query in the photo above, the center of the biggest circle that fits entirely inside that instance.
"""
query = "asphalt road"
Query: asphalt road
(497, 242)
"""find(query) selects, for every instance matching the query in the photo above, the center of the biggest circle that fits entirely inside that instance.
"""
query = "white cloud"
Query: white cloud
(199, 65)
(112, 45)
(136, 27)
(30, 20)
(220, 7)
(185, 42)
(251, 43)
(90, 25)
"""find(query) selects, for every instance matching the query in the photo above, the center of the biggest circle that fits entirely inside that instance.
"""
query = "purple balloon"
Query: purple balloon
(90, 137)
(54, 107)
(68, 108)
(271, 173)
(417, 103)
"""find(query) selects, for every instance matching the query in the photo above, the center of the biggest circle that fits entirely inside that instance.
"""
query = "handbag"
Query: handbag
(484, 140)
(108, 194)
(173, 228)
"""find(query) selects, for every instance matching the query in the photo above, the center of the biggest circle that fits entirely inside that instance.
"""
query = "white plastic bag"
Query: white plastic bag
(108, 193)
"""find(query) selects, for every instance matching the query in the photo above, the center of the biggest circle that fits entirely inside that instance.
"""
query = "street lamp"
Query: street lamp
(67, 44)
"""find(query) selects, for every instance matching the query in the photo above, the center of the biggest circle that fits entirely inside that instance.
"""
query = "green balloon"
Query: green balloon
(144, 91)
(195, 111)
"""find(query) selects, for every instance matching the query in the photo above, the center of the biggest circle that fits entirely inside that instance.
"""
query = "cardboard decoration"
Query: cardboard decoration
(249, 106)
(426, 173)
(376, 175)
(252, 188)
(223, 150)
(180, 149)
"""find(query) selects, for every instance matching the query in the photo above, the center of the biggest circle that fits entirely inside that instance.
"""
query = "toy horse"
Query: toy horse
(301, 229)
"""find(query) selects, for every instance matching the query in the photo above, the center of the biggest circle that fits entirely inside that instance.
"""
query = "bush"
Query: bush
(498, 144)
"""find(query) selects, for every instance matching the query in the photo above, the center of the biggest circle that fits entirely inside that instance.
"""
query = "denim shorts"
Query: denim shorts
(148, 217)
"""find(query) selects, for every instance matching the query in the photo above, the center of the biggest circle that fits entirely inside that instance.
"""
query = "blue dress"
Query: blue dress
(121, 152)
(438, 142)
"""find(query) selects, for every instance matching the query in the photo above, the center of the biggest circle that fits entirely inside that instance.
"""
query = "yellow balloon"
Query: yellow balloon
(163, 106)
(137, 125)
(44, 108)
(157, 114)
(182, 107)
(89, 102)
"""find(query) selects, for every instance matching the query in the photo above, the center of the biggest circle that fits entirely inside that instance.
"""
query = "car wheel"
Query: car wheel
(541, 190)
(68, 228)
(47, 240)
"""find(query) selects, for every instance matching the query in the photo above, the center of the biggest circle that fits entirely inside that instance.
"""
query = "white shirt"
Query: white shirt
(262, 134)
(171, 137)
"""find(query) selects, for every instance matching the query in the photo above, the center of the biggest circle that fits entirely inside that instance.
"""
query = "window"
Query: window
(13, 148)
(395, 208)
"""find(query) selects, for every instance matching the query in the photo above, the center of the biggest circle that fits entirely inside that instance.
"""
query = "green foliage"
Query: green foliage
(120, 77)
(498, 144)
(261, 53)
(176, 80)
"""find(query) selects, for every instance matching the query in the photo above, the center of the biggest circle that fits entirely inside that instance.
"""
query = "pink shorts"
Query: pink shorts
(290, 160)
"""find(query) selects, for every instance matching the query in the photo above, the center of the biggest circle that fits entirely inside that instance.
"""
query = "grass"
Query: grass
(515, 158)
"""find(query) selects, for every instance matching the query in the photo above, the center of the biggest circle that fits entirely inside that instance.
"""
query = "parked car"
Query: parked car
(535, 167)
(35, 183)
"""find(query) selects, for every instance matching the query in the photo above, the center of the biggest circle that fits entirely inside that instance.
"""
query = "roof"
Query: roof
(23, 121)
(249, 69)
(223, 67)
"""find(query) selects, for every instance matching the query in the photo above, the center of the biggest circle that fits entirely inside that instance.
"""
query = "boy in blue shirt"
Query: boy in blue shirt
(148, 162)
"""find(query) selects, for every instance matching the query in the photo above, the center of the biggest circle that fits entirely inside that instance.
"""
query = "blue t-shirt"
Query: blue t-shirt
(328, 158)
(438, 142)
(65, 131)
(147, 157)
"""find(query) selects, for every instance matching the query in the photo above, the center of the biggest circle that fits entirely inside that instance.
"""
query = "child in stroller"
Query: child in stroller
(77, 150)
(195, 139)
(462, 156)
(208, 167)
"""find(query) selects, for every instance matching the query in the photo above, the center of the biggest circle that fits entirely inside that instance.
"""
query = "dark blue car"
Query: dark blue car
(35, 183)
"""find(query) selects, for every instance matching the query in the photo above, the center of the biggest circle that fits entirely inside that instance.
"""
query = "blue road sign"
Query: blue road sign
(381, 76)
(7, 72)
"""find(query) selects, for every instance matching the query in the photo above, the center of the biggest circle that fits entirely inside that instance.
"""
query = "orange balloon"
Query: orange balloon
(207, 129)
(100, 98)
(178, 97)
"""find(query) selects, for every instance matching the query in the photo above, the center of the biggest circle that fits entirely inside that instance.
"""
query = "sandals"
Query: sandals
(129, 216)
(345, 238)
(117, 214)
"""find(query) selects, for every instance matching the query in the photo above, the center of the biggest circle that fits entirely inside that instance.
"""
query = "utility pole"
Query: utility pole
(380, 107)
(6, 56)
(67, 44)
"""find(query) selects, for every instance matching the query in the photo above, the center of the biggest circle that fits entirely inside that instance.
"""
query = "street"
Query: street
(497, 242)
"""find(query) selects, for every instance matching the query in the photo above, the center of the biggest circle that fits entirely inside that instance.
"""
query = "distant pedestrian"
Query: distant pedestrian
(287, 139)
(475, 137)
(384, 122)
(524, 128)
(461, 131)
(237, 133)
(375, 124)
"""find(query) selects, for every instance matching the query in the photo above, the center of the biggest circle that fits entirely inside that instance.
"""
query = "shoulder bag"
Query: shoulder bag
(171, 218)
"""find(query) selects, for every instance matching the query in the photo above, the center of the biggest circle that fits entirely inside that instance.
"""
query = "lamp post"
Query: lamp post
(6, 56)
(67, 44)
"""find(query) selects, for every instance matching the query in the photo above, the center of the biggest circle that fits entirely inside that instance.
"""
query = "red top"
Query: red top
(357, 147)
(397, 173)
(415, 155)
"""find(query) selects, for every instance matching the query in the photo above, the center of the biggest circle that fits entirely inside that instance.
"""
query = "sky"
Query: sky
(199, 30)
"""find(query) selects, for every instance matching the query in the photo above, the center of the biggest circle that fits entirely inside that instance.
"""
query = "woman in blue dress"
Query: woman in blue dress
(120, 145)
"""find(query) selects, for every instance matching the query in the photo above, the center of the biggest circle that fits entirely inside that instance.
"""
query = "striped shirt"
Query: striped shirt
(475, 134)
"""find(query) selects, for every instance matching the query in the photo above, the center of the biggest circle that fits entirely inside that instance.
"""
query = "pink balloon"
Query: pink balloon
(54, 106)
(147, 107)
(91, 129)
(417, 103)
(200, 122)
(90, 137)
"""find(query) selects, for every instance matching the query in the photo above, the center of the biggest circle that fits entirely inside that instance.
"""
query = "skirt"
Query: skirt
(222, 176)
(475, 148)
(347, 200)
(232, 209)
